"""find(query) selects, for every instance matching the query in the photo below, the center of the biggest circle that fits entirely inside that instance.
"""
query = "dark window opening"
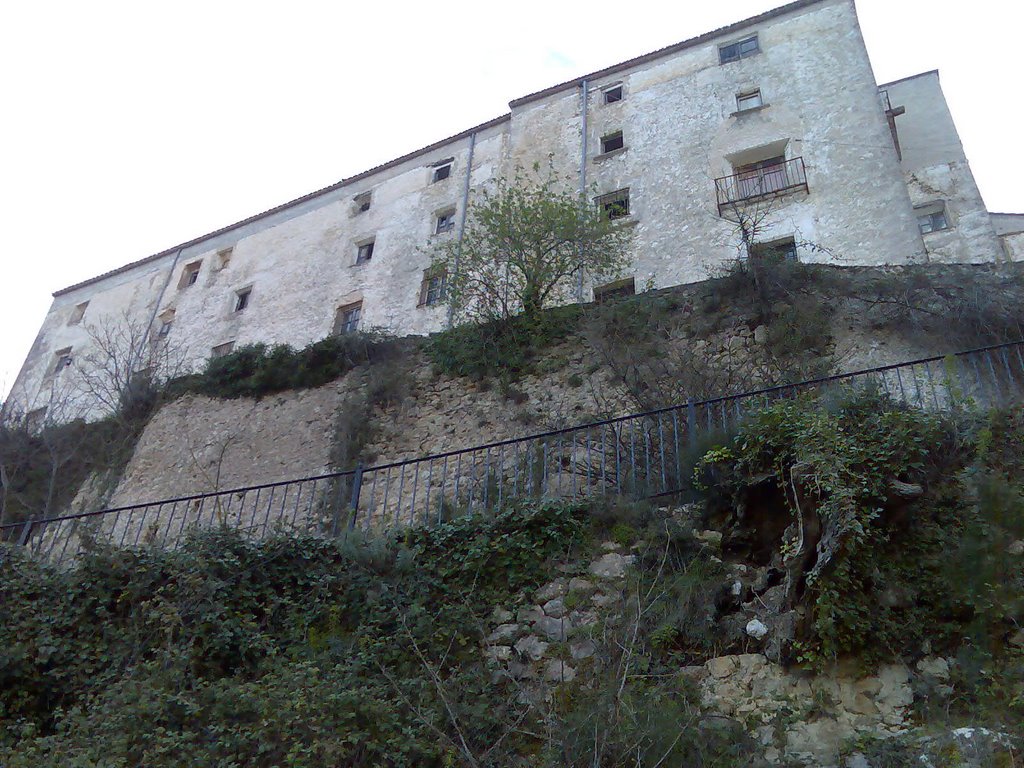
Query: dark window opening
(445, 222)
(775, 251)
(442, 173)
(364, 252)
(612, 142)
(222, 349)
(932, 218)
(739, 50)
(613, 94)
(362, 202)
(242, 299)
(615, 290)
(614, 205)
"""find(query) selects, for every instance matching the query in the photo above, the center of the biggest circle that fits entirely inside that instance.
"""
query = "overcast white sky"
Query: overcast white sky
(128, 127)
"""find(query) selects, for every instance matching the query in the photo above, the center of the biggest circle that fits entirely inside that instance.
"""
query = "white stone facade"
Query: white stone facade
(794, 83)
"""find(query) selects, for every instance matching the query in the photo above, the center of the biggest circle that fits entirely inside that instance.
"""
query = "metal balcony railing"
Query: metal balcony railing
(757, 183)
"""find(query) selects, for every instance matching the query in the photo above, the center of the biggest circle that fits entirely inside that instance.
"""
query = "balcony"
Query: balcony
(760, 181)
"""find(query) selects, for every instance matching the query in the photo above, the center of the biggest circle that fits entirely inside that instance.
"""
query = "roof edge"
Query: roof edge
(666, 51)
(285, 206)
(909, 77)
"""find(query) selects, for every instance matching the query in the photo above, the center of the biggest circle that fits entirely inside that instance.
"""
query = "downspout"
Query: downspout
(156, 309)
(462, 221)
(583, 177)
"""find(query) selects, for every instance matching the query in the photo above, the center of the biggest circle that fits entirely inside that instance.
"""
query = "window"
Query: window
(739, 50)
(78, 313)
(432, 287)
(364, 252)
(190, 274)
(612, 142)
(62, 359)
(224, 257)
(166, 321)
(614, 205)
(222, 349)
(931, 217)
(613, 94)
(242, 299)
(34, 420)
(445, 222)
(442, 171)
(783, 249)
(748, 100)
(615, 290)
(361, 202)
(762, 177)
(346, 319)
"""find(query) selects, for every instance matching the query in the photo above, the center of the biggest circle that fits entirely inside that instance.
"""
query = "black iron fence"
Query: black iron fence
(643, 455)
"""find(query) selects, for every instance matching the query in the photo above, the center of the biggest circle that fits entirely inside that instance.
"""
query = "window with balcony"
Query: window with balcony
(770, 177)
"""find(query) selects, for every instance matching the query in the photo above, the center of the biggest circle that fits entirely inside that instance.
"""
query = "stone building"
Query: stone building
(779, 111)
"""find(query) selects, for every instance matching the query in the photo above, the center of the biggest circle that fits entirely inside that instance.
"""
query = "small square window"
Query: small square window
(78, 313)
(364, 252)
(166, 321)
(614, 205)
(931, 217)
(35, 420)
(190, 274)
(783, 249)
(445, 222)
(222, 349)
(612, 142)
(748, 100)
(361, 202)
(346, 319)
(441, 173)
(242, 299)
(615, 290)
(432, 288)
(224, 257)
(741, 49)
(611, 95)
(62, 360)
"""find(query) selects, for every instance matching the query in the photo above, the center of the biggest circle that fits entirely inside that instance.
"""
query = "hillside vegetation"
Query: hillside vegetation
(858, 531)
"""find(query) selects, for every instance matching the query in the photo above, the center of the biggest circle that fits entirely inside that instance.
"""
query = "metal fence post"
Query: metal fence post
(691, 421)
(357, 487)
(26, 531)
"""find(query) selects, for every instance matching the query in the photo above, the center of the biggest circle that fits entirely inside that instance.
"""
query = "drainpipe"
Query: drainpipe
(462, 221)
(153, 314)
(583, 177)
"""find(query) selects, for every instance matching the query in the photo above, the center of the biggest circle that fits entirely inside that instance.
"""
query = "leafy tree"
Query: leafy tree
(524, 247)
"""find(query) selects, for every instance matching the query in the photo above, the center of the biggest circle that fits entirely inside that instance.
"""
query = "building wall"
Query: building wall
(681, 130)
(1009, 228)
(937, 171)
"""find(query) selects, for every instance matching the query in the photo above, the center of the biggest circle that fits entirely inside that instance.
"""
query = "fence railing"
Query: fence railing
(766, 180)
(643, 455)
